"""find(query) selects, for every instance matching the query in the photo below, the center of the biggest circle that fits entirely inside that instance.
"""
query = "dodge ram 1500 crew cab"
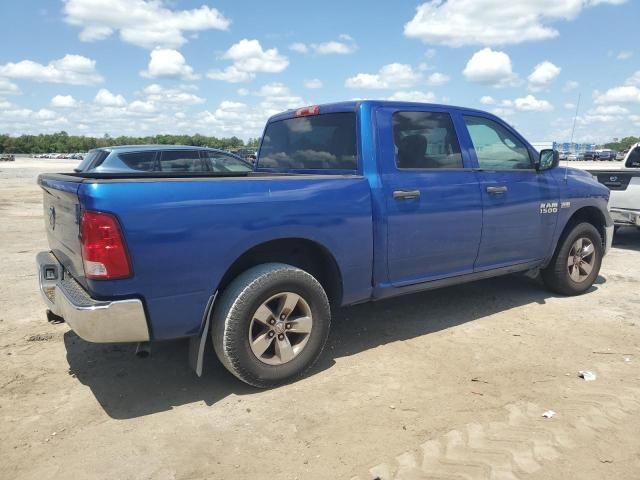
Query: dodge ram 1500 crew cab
(349, 202)
(624, 183)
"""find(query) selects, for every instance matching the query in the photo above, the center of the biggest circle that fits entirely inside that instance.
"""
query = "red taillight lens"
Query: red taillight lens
(103, 252)
(307, 111)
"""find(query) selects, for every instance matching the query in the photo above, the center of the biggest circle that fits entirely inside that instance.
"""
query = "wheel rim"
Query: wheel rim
(280, 328)
(581, 260)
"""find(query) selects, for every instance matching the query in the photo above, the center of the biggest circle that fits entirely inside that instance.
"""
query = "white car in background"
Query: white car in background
(624, 184)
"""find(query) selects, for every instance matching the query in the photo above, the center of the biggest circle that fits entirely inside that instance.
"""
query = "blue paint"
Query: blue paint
(183, 234)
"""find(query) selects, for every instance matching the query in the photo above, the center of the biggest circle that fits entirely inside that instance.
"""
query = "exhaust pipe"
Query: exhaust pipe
(143, 349)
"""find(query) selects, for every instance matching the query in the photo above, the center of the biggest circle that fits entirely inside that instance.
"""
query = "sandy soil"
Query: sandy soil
(444, 384)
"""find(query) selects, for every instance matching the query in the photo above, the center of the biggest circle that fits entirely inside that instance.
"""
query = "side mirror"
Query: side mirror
(547, 160)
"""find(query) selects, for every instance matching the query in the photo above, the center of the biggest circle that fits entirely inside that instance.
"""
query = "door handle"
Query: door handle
(497, 190)
(406, 194)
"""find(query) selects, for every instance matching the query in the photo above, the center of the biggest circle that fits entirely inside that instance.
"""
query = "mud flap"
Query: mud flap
(198, 343)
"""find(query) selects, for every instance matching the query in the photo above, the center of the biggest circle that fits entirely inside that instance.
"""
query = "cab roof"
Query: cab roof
(352, 106)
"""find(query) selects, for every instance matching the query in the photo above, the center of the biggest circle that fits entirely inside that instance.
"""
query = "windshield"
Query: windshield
(325, 141)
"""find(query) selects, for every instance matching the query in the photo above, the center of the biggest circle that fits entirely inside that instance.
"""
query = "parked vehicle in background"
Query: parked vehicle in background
(624, 184)
(162, 159)
(572, 157)
(563, 155)
(590, 156)
(606, 155)
(620, 156)
(350, 202)
(7, 157)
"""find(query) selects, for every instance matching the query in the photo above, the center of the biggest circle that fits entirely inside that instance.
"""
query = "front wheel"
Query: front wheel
(271, 324)
(576, 263)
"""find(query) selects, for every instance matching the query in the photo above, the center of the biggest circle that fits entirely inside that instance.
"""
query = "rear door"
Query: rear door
(433, 204)
(520, 205)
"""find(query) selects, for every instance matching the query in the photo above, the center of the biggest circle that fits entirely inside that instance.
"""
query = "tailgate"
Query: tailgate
(615, 179)
(62, 221)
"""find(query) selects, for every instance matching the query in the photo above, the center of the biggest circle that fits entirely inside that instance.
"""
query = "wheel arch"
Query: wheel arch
(589, 214)
(306, 254)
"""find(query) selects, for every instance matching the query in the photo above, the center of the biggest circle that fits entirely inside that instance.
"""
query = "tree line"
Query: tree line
(625, 144)
(62, 142)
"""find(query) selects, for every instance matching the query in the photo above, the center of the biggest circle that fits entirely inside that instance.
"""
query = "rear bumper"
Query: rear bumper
(624, 216)
(93, 320)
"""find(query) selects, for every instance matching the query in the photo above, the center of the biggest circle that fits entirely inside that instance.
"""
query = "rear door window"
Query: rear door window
(318, 142)
(425, 140)
(181, 161)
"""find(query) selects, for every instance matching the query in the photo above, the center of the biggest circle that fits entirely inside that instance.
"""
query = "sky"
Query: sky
(144, 67)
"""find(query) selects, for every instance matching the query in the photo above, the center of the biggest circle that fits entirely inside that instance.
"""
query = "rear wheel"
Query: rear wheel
(576, 263)
(271, 324)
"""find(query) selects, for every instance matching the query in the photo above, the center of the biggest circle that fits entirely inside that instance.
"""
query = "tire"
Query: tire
(237, 324)
(556, 275)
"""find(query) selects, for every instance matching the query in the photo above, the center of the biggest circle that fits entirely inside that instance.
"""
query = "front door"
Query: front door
(520, 205)
(432, 199)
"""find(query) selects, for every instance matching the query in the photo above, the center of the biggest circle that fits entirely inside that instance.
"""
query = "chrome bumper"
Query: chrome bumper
(93, 320)
(622, 216)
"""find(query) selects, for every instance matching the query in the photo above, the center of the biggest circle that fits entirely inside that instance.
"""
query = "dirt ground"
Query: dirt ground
(445, 384)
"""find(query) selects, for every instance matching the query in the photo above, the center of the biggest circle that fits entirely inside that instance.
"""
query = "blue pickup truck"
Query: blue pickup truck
(349, 202)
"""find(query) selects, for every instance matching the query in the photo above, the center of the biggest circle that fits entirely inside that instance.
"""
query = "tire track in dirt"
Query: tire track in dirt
(519, 445)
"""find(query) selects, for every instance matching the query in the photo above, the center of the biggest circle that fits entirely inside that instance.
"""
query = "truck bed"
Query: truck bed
(183, 232)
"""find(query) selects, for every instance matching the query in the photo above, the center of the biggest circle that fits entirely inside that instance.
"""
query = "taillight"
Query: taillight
(307, 111)
(103, 252)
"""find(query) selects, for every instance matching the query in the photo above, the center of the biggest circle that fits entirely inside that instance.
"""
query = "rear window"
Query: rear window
(93, 159)
(319, 142)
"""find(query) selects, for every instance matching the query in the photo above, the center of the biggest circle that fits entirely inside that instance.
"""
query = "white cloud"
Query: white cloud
(502, 111)
(231, 74)
(570, 85)
(344, 46)
(487, 100)
(569, 106)
(313, 83)
(437, 79)
(393, 75)
(8, 88)
(624, 55)
(458, 23)
(430, 53)
(542, 75)
(532, 104)
(633, 79)
(171, 96)
(248, 59)
(299, 47)
(489, 67)
(141, 106)
(145, 23)
(413, 96)
(623, 94)
(610, 110)
(107, 99)
(71, 69)
(63, 101)
(168, 63)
